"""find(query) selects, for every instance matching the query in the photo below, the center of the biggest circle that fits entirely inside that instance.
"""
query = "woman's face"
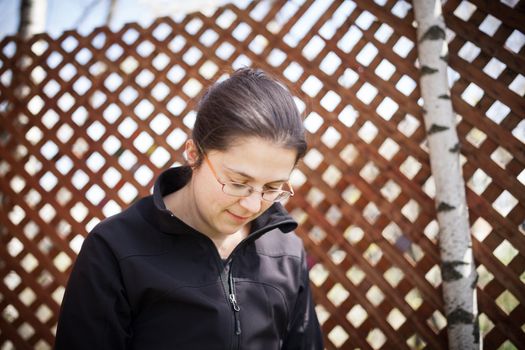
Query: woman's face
(253, 161)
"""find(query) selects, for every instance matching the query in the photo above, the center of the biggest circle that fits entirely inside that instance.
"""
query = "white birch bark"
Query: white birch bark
(457, 266)
(32, 21)
(32, 17)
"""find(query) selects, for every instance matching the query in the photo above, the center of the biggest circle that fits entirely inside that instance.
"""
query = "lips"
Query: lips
(238, 217)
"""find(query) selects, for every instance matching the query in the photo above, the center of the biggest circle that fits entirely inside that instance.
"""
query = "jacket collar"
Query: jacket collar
(174, 179)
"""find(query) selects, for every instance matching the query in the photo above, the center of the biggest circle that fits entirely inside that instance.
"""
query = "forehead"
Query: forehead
(258, 158)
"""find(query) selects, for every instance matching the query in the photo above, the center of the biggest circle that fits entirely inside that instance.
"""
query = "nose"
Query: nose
(252, 203)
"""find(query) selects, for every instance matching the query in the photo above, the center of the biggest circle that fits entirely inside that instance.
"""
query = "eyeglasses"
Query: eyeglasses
(237, 189)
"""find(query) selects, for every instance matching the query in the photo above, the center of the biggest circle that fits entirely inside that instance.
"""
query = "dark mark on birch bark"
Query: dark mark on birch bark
(460, 316)
(449, 272)
(475, 282)
(475, 331)
(433, 33)
(426, 70)
(434, 128)
(445, 207)
(455, 149)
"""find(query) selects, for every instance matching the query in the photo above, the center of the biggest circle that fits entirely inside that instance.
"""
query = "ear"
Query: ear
(191, 152)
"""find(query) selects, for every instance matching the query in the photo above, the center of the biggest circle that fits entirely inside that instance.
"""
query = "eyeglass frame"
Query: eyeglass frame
(249, 187)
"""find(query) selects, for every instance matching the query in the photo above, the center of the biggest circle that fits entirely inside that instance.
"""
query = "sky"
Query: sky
(85, 15)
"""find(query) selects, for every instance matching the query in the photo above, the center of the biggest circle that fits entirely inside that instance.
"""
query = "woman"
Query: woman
(209, 260)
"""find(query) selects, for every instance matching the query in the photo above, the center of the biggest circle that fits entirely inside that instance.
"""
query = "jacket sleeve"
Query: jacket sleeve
(95, 313)
(305, 332)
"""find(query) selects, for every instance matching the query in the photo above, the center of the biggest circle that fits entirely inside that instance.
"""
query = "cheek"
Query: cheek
(211, 199)
(264, 206)
(221, 201)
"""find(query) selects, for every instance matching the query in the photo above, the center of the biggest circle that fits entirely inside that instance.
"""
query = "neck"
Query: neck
(226, 244)
(182, 204)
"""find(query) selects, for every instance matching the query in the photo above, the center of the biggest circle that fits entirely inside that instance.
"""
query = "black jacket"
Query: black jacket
(145, 280)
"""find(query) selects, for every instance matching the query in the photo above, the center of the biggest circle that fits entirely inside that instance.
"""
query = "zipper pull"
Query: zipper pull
(236, 309)
(233, 301)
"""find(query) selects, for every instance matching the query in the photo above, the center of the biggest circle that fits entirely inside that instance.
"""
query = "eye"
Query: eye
(274, 187)
(237, 185)
(236, 180)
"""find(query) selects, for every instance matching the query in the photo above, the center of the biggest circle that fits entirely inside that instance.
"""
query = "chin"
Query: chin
(226, 229)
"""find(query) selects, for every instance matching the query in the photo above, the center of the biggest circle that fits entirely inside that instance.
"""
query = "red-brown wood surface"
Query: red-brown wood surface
(87, 122)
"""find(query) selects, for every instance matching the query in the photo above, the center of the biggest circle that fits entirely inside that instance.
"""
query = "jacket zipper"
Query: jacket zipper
(229, 283)
(231, 298)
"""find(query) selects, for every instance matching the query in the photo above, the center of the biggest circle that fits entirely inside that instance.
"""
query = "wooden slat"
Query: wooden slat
(417, 294)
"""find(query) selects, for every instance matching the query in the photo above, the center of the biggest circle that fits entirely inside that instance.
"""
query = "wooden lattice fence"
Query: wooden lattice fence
(87, 122)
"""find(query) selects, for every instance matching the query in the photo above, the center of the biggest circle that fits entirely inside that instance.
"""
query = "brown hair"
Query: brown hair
(248, 104)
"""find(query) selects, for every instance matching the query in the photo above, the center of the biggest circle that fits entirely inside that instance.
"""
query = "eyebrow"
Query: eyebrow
(249, 177)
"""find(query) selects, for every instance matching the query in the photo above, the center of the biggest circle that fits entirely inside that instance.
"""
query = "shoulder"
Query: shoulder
(127, 233)
(277, 244)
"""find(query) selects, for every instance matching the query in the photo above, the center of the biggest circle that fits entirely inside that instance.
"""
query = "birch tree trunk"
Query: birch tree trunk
(32, 21)
(32, 17)
(457, 266)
